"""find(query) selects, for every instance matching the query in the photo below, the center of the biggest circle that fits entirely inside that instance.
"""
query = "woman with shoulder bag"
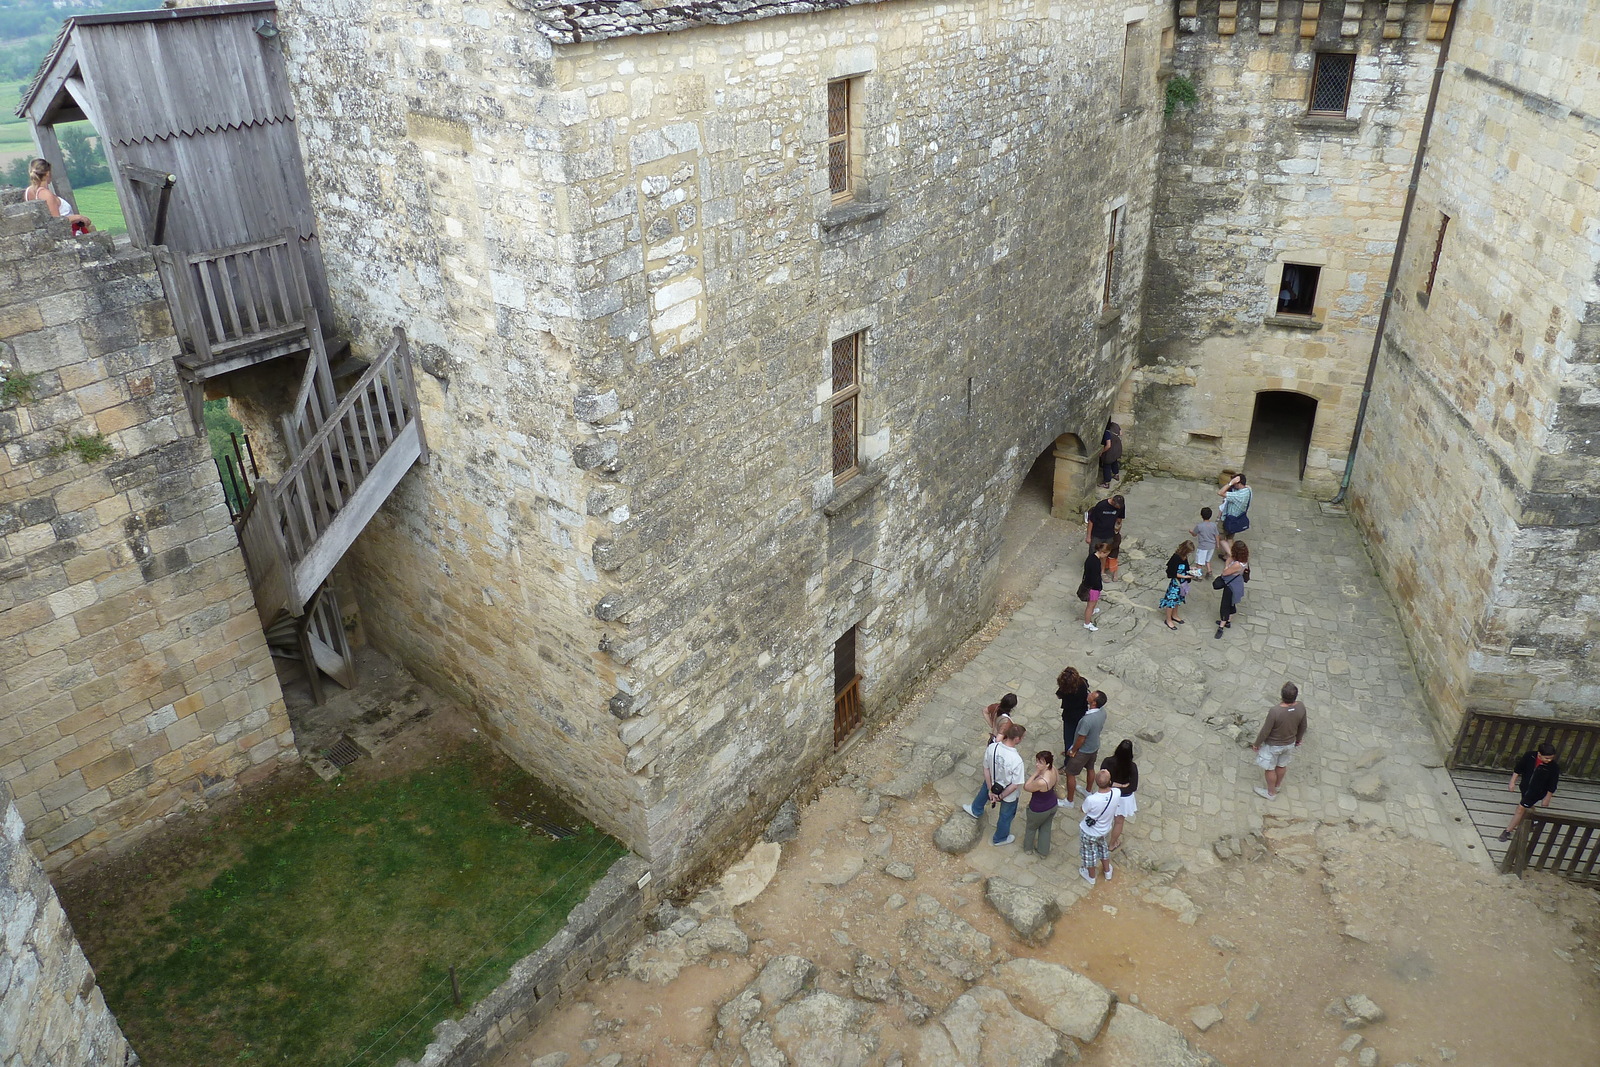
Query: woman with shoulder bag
(1231, 582)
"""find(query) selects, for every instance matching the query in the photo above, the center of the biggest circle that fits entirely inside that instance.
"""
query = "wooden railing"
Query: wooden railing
(1567, 845)
(343, 473)
(313, 404)
(266, 557)
(846, 711)
(232, 300)
(1492, 742)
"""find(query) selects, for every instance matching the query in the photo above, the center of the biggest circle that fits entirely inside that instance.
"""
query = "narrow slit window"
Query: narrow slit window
(839, 136)
(1331, 76)
(1297, 293)
(845, 407)
(1113, 240)
(1438, 250)
(1131, 68)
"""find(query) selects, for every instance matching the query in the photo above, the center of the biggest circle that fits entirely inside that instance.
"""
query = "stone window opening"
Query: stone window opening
(1113, 242)
(843, 134)
(1438, 250)
(846, 687)
(845, 407)
(1297, 293)
(1331, 76)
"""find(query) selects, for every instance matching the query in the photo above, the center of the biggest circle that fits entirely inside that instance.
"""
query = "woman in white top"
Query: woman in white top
(39, 189)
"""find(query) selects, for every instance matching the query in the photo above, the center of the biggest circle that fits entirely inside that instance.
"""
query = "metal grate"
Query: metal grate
(1330, 83)
(343, 752)
(846, 361)
(844, 437)
(839, 137)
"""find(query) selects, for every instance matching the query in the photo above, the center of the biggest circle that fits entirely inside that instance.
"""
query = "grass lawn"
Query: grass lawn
(326, 915)
(100, 203)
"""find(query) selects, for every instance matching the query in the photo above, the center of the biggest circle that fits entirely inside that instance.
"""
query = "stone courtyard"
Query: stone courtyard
(1314, 614)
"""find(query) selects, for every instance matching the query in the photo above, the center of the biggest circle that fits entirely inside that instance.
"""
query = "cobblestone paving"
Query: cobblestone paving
(1314, 613)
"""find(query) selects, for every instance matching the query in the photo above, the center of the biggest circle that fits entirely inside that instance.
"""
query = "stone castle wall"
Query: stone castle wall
(629, 553)
(437, 173)
(52, 1013)
(1477, 478)
(1249, 181)
(135, 675)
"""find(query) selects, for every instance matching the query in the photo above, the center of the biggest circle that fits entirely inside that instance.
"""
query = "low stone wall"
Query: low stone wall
(606, 924)
(51, 1011)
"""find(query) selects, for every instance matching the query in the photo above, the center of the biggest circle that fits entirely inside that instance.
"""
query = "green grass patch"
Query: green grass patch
(88, 447)
(100, 203)
(327, 936)
(221, 427)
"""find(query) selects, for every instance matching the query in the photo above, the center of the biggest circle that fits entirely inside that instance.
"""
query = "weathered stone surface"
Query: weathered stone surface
(841, 867)
(958, 834)
(938, 937)
(927, 763)
(903, 871)
(745, 880)
(824, 1030)
(659, 957)
(1030, 912)
(1134, 1037)
(1176, 901)
(782, 978)
(1367, 787)
(1362, 1011)
(1057, 996)
(51, 1011)
(785, 826)
(982, 1027)
(1205, 1017)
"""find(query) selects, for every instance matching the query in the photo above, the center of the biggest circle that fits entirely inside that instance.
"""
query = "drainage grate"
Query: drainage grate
(558, 832)
(343, 752)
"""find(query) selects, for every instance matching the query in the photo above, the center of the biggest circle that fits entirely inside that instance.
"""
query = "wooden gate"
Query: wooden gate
(846, 711)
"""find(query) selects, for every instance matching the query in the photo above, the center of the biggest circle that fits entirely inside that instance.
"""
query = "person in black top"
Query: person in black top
(1072, 689)
(1093, 568)
(1536, 774)
(1104, 520)
(1110, 454)
(1124, 779)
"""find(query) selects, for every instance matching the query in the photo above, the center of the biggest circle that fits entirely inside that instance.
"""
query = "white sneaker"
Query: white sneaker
(1007, 841)
(1108, 874)
(1262, 792)
(1090, 626)
(1087, 877)
(970, 812)
(1096, 611)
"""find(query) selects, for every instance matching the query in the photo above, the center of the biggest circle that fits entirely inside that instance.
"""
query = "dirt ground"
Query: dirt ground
(1468, 966)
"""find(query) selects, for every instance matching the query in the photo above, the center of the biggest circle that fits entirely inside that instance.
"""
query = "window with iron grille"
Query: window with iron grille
(1297, 294)
(845, 406)
(1113, 240)
(840, 165)
(1438, 250)
(1330, 83)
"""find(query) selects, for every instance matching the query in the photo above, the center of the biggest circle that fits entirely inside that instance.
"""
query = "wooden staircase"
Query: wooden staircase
(347, 455)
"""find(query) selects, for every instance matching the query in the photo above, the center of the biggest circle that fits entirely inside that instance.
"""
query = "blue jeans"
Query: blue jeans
(1008, 811)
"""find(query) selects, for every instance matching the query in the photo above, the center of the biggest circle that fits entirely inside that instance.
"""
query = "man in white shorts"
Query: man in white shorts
(1280, 735)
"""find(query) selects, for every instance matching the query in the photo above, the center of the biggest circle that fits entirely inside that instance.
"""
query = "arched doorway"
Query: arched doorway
(1280, 435)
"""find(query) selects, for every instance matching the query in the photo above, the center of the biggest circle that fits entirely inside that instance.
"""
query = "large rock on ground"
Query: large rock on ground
(660, 956)
(782, 978)
(947, 941)
(824, 1030)
(745, 880)
(1030, 912)
(1059, 997)
(1137, 1038)
(958, 834)
(982, 1027)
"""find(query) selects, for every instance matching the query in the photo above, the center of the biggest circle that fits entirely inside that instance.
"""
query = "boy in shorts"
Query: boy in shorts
(1205, 541)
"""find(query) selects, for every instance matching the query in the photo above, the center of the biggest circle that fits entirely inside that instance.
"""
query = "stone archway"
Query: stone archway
(1280, 434)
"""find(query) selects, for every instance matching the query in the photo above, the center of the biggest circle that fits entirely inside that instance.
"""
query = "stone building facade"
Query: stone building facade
(1477, 478)
(1290, 171)
(134, 676)
(52, 1014)
(629, 271)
